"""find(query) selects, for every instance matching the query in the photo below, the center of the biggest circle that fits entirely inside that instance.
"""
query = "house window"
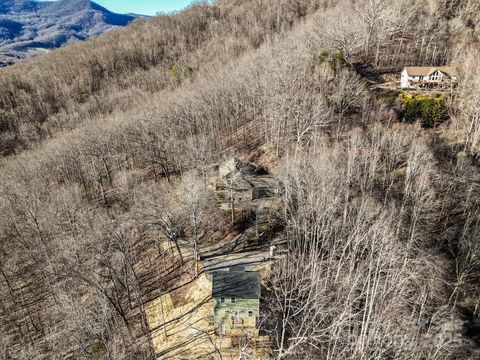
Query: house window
(234, 300)
(250, 313)
(222, 300)
(436, 76)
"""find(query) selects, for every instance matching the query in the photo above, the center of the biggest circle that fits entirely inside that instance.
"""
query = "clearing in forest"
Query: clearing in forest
(182, 327)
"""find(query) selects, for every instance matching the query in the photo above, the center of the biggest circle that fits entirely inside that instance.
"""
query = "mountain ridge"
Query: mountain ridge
(29, 27)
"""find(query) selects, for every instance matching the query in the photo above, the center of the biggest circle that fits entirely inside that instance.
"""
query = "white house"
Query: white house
(428, 77)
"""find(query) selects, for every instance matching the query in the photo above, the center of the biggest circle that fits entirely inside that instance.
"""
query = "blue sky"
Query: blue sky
(145, 7)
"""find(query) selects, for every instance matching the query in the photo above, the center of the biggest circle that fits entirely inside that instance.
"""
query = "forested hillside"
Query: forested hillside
(29, 27)
(108, 144)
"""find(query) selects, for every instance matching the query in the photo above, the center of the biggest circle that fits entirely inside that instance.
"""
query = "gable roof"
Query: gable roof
(427, 70)
(236, 166)
(240, 284)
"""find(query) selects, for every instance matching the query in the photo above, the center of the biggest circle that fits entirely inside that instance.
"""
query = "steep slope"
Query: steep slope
(27, 26)
(380, 217)
(9, 29)
(122, 67)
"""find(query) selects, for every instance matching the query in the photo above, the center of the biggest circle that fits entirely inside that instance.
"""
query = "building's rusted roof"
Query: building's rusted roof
(235, 166)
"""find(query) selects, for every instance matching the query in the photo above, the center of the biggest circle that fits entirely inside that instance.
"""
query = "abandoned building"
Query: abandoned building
(245, 180)
(428, 78)
(234, 166)
(236, 301)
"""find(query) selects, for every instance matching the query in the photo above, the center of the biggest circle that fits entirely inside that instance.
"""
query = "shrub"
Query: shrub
(336, 60)
(431, 111)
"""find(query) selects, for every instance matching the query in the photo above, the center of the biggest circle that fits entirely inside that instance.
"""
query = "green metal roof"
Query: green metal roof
(239, 284)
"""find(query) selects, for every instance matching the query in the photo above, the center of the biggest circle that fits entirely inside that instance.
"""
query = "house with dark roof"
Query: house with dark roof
(236, 301)
(428, 77)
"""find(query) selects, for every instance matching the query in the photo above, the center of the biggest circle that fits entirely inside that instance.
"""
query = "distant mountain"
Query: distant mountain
(28, 27)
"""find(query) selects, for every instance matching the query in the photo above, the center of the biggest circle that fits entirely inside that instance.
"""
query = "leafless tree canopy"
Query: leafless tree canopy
(108, 147)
